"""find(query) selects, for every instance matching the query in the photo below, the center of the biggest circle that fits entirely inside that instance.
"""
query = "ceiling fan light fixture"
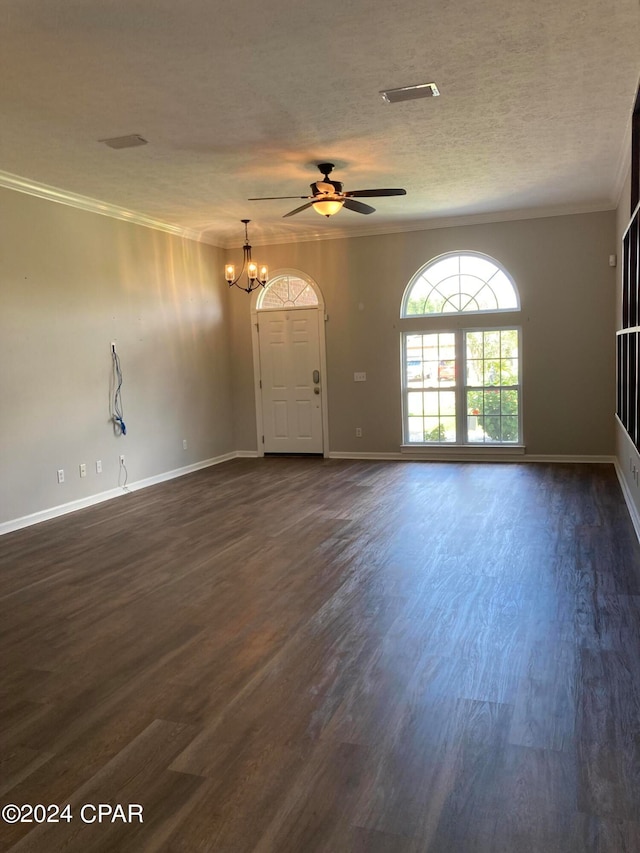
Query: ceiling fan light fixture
(327, 197)
(410, 93)
(328, 207)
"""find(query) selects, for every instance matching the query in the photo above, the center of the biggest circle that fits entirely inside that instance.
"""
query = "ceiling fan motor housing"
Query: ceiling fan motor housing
(321, 190)
(322, 187)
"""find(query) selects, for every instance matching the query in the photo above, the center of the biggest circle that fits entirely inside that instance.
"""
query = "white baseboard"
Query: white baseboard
(453, 456)
(180, 472)
(55, 511)
(373, 457)
(246, 454)
(633, 511)
(577, 459)
(100, 497)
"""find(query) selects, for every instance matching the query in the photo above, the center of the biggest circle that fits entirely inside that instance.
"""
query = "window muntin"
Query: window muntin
(462, 387)
(287, 291)
(459, 283)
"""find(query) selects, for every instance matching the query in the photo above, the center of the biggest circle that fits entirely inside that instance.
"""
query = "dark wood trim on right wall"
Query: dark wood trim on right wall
(628, 336)
(635, 155)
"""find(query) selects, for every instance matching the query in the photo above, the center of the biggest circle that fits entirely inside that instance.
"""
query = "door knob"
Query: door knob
(316, 390)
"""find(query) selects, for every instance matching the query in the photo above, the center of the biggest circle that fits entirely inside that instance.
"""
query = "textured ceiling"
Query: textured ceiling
(241, 98)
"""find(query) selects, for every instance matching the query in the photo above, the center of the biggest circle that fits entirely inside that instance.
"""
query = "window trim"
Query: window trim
(463, 252)
(473, 452)
(460, 388)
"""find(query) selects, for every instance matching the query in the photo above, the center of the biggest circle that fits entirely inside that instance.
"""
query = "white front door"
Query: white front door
(290, 379)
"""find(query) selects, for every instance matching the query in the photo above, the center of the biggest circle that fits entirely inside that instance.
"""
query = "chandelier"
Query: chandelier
(256, 276)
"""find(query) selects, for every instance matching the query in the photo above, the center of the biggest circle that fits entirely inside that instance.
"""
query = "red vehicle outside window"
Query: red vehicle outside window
(447, 371)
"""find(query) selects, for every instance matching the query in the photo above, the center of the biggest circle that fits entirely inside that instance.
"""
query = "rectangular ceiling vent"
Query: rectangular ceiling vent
(410, 93)
(124, 141)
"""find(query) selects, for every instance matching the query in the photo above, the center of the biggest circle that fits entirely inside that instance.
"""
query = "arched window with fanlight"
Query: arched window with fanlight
(288, 290)
(460, 283)
(461, 386)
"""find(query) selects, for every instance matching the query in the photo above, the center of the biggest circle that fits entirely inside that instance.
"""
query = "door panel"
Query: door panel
(304, 412)
(302, 378)
(280, 419)
(289, 355)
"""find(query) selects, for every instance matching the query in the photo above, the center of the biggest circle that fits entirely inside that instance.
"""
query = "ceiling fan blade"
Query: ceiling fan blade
(358, 206)
(298, 209)
(374, 193)
(277, 197)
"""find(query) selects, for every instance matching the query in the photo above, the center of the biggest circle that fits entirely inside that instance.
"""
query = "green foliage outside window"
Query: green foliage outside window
(492, 360)
(437, 434)
(422, 306)
(497, 412)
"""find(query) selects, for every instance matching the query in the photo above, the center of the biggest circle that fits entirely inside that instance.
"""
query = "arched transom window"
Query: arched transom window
(461, 385)
(287, 291)
(459, 283)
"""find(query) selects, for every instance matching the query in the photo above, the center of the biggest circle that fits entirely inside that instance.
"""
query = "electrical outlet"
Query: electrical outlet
(61, 475)
(83, 469)
(358, 432)
(113, 346)
(184, 443)
(98, 466)
(121, 457)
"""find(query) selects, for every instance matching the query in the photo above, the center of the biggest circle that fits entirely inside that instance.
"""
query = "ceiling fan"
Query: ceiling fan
(328, 198)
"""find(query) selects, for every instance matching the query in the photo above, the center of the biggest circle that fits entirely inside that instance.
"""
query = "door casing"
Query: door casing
(255, 343)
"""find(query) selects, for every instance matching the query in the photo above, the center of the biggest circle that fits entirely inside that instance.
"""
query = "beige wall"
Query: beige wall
(567, 292)
(70, 283)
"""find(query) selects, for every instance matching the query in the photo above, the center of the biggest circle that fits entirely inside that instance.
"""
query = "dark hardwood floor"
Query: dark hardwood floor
(299, 655)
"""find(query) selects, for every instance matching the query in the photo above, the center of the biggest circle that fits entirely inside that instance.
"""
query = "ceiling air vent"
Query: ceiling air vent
(124, 141)
(410, 93)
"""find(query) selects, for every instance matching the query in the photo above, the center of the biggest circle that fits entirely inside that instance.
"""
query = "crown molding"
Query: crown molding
(92, 205)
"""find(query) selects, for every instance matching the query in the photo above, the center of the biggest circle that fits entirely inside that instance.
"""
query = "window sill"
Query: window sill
(459, 452)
